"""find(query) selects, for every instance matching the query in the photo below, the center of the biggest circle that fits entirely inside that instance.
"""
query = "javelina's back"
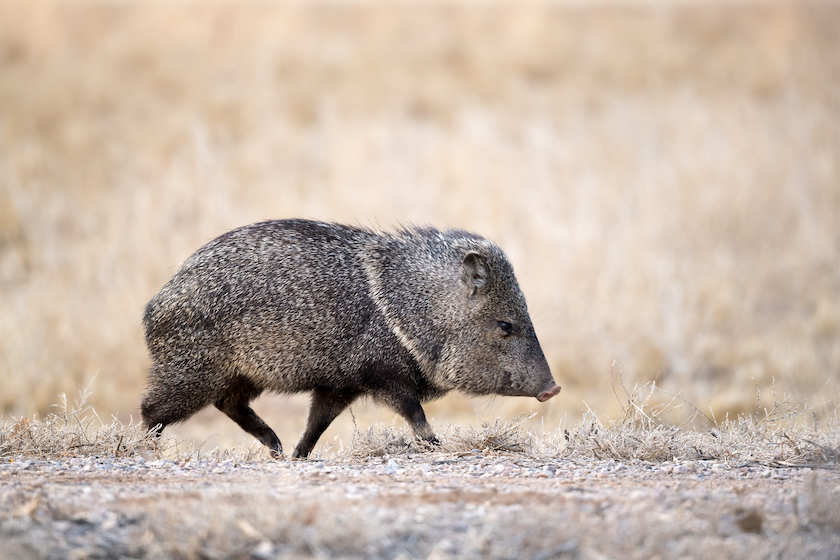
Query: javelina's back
(267, 301)
(295, 305)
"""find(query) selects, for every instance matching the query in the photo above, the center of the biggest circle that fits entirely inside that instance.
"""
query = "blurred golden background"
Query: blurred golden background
(665, 177)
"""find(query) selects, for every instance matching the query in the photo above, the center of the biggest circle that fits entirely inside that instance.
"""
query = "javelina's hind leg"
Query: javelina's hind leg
(325, 407)
(235, 405)
(168, 400)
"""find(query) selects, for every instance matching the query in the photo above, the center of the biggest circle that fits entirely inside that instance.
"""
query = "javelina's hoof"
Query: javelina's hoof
(276, 453)
(429, 443)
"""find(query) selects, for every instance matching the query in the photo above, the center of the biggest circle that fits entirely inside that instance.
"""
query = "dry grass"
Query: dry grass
(76, 430)
(788, 435)
(785, 436)
(436, 504)
(663, 176)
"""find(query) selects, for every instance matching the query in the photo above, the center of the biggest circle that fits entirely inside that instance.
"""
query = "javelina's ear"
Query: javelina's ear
(474, 272)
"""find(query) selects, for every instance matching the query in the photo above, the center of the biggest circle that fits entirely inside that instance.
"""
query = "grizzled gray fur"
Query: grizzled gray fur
(340, 312)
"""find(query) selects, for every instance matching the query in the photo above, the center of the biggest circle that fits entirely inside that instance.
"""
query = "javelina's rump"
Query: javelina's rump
(342, 312)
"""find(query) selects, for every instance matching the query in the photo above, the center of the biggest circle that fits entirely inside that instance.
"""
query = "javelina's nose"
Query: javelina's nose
(548, 393)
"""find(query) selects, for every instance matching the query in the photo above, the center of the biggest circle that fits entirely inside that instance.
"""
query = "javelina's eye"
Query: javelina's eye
(506, 327)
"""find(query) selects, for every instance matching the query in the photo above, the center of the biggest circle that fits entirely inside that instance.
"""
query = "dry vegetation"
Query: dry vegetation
(762, 486)
(788, 435)
(664, 176)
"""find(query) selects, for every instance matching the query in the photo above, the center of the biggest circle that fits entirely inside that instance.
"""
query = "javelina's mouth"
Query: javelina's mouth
(547, 394)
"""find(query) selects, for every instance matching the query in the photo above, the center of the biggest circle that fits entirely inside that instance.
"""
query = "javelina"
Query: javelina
(342, 312)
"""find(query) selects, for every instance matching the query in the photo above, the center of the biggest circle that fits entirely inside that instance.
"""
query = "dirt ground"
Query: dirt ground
(426, 505)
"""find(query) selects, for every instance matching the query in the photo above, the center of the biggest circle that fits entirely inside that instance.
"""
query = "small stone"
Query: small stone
(749, 521)
(263, 550)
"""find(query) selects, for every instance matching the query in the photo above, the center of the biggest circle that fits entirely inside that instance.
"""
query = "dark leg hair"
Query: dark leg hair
(408, 406)
(171, 397)
(235, 403)
(325, 407)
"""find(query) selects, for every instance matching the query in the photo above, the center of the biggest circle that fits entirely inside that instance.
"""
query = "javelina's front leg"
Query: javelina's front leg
(325, 407)
(408, 406)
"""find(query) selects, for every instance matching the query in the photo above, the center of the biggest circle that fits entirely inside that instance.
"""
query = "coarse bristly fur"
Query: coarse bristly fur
(341, 312)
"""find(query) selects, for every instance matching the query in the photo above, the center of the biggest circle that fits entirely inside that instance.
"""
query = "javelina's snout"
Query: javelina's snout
(552, 390)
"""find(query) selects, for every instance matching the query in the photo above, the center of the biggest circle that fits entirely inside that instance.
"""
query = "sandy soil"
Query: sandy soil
(431, 505)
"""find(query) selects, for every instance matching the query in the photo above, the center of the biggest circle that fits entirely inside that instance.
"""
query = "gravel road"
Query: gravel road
(431, 505)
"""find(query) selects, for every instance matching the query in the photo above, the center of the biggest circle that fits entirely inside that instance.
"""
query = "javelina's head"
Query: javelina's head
(494, 349)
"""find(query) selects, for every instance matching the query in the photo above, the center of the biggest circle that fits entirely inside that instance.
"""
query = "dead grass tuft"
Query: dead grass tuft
(76, 429)
(378, 441)
(782, 436)
(500, 435)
